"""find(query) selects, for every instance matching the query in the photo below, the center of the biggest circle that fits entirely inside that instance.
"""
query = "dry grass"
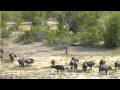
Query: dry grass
(24, 27)
(44, 54)
(41, 69)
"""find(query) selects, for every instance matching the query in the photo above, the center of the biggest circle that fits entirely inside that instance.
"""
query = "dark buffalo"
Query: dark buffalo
(28, 61)
(117, 64)
(104, 68)
(58, 67)
(12, 55)
(102, 62)
(73, 63)
(1, 53)
(87, 64)
(21, 63)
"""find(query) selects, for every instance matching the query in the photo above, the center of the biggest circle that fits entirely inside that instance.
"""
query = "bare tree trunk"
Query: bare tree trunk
(67, 39)
(67, 22)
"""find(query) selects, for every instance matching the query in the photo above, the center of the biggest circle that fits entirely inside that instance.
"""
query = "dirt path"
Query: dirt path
(43, 54)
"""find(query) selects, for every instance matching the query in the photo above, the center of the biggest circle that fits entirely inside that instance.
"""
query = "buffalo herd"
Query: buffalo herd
(73, 63)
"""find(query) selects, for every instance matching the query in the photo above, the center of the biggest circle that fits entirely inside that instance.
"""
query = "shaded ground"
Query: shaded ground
(43, 54)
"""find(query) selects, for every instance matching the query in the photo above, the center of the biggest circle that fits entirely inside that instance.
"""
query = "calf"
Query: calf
(21, 63)
(58, 67)
(53, 62)
(1, 53)
(102, 62)
(11, 55)
(117, 64)
(104, 68)
(28, 61)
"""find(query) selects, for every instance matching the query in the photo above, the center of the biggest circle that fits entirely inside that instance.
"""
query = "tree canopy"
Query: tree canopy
(87, 27)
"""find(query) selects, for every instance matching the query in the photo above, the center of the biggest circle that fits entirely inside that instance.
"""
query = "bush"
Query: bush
(5, 33)
(50, 36)
(37, 34)
(1, 42)
(34, 35)
(74, 38)
(28, 37)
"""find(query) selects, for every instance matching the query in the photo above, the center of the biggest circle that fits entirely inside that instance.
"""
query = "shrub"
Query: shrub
(1, 42)
(5, 33)
(34, 35)
(37, 34)
(74, 38)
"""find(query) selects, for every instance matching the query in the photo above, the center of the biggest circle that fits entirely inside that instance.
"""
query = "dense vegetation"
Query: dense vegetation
(112, 35)
(87, 27)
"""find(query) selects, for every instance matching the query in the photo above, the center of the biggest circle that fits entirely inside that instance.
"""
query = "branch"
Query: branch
(69, 21)
(70, 25)
(65, 21)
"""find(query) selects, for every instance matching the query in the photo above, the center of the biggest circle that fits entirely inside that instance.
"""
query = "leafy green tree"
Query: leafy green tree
(88, 24)
(5, 16)
(112, 35)
(40, 17)
(28, 15)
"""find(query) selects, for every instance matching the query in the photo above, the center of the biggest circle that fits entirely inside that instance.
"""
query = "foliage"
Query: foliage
(112, 35)
(5, 33)
(87, 27)
(5, 16)
(37, 34)
(17, 24)
(30, 36)
(88, 24)
(1, 42)
(74, 38)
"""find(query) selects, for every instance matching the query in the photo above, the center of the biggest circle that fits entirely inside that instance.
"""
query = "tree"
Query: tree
(28, 15)
(67, 19)
(40, 17)
(112, 35)
(50, 15)
(88, 24)
(5, 16)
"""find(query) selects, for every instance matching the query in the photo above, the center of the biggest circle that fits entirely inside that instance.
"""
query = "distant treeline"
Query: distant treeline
(87, 27)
